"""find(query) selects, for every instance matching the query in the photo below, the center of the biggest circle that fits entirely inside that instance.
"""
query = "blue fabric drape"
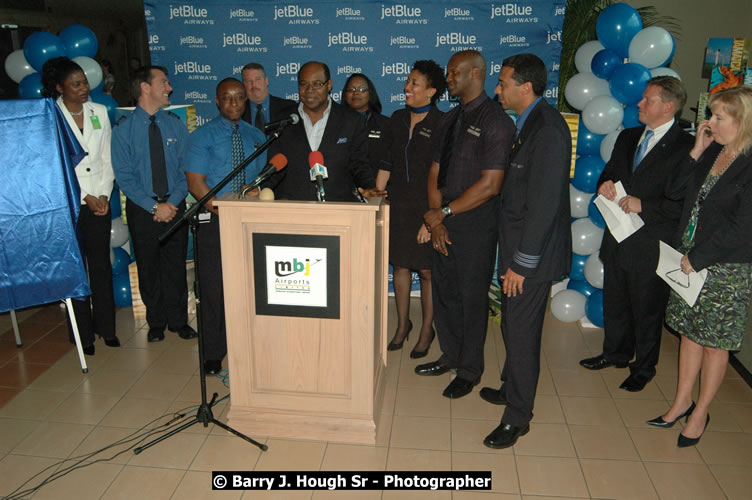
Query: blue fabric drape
(40, 256)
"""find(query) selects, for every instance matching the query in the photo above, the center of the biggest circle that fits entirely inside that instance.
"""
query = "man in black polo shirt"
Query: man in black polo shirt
(471, 155)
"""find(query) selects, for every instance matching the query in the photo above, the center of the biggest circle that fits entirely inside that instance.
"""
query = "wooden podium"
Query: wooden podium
(317, 370)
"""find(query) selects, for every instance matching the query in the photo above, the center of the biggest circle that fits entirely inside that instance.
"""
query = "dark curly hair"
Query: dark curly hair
(374, 103)
(55, 72)
(435, 76)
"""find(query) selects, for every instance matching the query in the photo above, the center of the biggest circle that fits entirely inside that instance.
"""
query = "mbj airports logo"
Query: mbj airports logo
(402, 14)
(193, 42)
(458, 14)
(243, 15)
(349, 14)
(154, 45)
(244, 42)
(295, 14)
(190, 14)
(194, 70)
(350, 42)
(288, 69)
(513, 13)
(457, 41)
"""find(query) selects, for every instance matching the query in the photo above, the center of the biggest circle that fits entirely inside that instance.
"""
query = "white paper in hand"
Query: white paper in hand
(620, 224)
(688, 286)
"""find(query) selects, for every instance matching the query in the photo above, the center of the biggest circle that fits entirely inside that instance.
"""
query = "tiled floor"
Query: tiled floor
(588, 438)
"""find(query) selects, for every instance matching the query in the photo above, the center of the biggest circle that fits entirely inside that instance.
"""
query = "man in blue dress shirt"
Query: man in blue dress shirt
(148, 148)
(213, 151)
(262, 107)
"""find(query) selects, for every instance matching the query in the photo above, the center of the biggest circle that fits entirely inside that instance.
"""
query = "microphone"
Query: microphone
(279, 124)
(277, 163)
(318, 173)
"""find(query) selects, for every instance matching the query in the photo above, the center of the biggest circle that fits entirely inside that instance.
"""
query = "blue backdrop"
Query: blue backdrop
(202, 42)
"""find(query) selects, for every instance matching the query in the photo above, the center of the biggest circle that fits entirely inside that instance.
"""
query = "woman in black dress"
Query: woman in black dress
(411, 130)
(360, 95)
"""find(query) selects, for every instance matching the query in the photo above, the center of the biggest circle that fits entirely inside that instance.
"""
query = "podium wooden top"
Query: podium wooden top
(231, 200)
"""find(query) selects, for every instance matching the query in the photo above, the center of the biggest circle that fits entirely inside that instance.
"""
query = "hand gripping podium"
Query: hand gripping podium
(305, 288)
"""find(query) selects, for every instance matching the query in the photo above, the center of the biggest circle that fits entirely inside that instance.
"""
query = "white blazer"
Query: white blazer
(94, 173)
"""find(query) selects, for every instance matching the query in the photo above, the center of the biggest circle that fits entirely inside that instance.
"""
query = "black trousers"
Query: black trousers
(95, 314)
(209, 262)
(161, 267)
(634, 304)
(460, 285)
(521, 327)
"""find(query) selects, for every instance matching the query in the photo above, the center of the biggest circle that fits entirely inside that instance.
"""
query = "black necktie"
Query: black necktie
(260, 120)
(451, 141)
(156, 153)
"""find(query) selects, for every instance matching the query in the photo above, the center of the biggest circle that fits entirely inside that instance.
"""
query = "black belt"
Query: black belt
(161, 199)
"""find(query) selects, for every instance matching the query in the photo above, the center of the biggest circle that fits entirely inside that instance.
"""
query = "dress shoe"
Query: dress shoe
(634, 384)
(396, 346)
(155, 334)
(659, 422)
(505, 435)
(415, 354)
(186, 332)
(433, 368)
(459, 387)
(212, 366)
(494, 396)
(113, 342)
(684, 441)
(600, 362)
(89, 350)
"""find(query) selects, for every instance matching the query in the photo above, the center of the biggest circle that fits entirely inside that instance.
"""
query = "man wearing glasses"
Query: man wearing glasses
(334, 130)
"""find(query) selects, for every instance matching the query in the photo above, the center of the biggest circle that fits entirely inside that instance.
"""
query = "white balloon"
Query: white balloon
(603, 114)
(583, 87)
(118, 233)
(584, 55)
(664, 72)
(112, 257)
(568, 305)
(92, 70)
(578, 202)
(17, 67)
(651, 47)
(594, 270)
(586, 237)
(607, 144)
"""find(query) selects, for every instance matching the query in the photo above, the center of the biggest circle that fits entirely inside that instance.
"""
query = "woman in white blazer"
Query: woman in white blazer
(64, 80)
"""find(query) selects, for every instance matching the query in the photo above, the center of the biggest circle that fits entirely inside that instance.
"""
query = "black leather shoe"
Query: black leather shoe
(89, 350)
(459, 387)
(155, 334)
(186, 332)
(212, 366)
(494, 396)
(433, 368)
(659, 422)
(113, 342)
(634, 384)
(600, 362)
(415, 354)
(396, 346)
(504, 436)
(684, 441)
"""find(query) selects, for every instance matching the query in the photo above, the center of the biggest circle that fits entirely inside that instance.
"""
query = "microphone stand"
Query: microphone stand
(204, 415)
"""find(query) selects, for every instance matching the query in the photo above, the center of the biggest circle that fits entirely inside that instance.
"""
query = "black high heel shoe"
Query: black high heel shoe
(414, 354)
(684, 441)
(659, 422)
(396, 346)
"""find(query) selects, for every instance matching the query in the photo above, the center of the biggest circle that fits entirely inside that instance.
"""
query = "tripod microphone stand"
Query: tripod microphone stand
(204, 415)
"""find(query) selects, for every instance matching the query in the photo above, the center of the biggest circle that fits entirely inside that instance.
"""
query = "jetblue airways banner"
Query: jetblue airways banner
(202, 42)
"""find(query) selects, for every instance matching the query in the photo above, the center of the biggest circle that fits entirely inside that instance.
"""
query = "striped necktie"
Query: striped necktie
(237, 157)
(642, 150)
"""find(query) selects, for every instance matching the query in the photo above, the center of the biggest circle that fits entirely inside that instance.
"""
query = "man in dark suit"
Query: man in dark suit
(535, 242)
(262, 108)
(645, 159)
(336, 131)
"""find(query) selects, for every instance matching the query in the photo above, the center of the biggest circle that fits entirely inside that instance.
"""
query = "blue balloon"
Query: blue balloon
(122, 260)
(108, 102)
(41, 47)
(604, 63)
(617, 24)
(588, 143)
(79, 41)
(121, 286)
(595, 214)
(115, 209)
(587, 170)
(594, 308)
(631, 116)
(578, 267)
(30, 87)
(581, 286)
(628, 82)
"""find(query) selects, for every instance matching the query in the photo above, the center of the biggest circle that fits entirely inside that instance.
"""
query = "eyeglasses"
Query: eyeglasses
(316, 85)
(362, 90)
(678, 277)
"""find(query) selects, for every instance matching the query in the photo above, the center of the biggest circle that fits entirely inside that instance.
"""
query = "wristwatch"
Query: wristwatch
(154, 209)
(446, 210)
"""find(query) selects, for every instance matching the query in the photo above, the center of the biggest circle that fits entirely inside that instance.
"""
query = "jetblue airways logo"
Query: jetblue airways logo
(296, 14)
(296, 42)
(191, 14)
(403, 42)
(244, 42)
(514, 13)
(154, 45)
(403, 14)
(243, 15)
(513, 40)
(290, 68)
(397, 68)
(193, 42)
(457, 40)
(458, 14)
(553, 37)
(194, 70)
(350, 42)
(349, 14)
(348, 70)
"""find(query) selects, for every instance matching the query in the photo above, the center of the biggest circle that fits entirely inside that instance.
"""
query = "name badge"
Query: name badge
(473, 130)
(374, 134)
(425, 133)
(95, 122)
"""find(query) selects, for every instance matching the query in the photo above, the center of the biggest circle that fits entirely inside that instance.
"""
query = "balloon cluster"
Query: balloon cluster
(613, 73)
(77, 42)
(120, 260)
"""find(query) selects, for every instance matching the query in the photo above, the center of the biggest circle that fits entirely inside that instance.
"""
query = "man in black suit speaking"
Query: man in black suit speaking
(645, 160)
(334, 130)
(262, 108)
